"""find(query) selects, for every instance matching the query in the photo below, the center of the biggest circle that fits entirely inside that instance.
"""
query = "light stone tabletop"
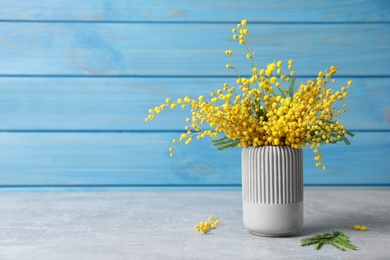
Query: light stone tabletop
(145, 224)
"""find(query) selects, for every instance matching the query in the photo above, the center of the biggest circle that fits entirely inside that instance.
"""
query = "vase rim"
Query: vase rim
(262, 146)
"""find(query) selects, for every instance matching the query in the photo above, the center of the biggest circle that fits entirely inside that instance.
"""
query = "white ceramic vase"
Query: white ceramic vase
(272, 190)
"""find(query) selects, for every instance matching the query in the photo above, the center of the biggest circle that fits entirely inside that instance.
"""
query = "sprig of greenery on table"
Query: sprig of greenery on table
(336, 239)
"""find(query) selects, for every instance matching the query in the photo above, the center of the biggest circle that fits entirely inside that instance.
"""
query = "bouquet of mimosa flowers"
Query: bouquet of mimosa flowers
(266, 108)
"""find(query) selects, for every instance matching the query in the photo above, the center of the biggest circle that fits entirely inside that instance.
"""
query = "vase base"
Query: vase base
(270, 235)
(273, 220)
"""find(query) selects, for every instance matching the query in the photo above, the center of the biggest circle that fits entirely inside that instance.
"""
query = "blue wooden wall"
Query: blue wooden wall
(77, 79)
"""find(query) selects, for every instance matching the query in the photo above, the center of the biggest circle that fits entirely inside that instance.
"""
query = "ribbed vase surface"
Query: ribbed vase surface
(272, 190)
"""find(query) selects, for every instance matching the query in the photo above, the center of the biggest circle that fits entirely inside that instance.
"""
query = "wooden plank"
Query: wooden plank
(84, 49)
(200, 10)
(142, 159)
(122, 103)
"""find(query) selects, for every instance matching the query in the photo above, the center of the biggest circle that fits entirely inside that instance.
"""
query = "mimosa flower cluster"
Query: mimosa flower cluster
(205, 226)
(358, 227)
(266, 108)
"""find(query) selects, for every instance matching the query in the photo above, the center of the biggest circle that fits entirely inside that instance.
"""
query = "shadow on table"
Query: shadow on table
(322, 226)
(312, 230)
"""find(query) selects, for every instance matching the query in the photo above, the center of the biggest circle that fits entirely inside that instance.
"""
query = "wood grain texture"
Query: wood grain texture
(79, 49)
(122, 103)
(195, 11)
(77, 79)
(142, 159)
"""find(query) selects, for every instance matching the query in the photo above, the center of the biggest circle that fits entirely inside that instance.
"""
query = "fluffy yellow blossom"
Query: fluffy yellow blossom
(358, 227)
(266, 109)
(206, 226)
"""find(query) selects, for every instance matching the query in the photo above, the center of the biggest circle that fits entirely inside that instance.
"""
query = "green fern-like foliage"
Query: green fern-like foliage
(225, 143)
(291, 88)
(336, 239)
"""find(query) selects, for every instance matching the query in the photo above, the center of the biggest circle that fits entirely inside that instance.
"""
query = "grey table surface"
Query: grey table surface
(131, 224)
